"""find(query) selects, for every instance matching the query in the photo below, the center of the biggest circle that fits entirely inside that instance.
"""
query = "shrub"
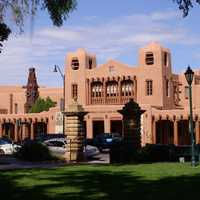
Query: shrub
(34, 151)
(149, 153)
(156, 153)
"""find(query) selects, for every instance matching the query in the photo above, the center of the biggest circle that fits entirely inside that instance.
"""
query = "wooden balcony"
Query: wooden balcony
(111, 100)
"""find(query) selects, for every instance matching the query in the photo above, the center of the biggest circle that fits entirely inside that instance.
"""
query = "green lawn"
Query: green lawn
(84, 182)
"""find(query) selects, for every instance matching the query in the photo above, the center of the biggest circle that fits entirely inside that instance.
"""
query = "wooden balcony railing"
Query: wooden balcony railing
(111, 100)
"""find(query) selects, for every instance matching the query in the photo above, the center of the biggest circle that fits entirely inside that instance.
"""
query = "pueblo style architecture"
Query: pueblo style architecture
(102, 91)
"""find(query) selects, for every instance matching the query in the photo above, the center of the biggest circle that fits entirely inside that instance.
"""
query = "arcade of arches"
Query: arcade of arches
(20, 129)
(174, 131)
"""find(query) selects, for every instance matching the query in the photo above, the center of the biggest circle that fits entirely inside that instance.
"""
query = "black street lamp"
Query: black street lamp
(189, 74)
(57, 69)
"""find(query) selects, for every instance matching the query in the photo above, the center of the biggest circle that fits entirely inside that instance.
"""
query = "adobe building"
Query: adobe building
(104, 89)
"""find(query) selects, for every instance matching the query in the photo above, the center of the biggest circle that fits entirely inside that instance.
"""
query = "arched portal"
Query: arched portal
(164, 132)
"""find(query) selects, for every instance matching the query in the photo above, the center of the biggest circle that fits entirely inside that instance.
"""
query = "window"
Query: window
(74, 91)
(165, 58)
(186, 92)
(97, 89)
(149, 58)
(90, 63)
(111, 89)
(75, 63)
(127, 88)
(167, 88)
(149, 87)
(16, 108)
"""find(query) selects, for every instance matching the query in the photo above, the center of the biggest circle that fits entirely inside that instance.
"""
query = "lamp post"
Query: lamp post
(189, 74)
(57, 69)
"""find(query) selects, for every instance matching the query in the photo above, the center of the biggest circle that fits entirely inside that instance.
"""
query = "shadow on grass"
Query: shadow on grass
(86, 184)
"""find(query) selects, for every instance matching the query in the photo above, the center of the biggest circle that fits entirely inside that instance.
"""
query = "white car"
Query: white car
(7, 148)
(91, 151)
(58, 147)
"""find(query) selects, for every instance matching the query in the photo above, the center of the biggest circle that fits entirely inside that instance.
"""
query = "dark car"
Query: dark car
(106, 140)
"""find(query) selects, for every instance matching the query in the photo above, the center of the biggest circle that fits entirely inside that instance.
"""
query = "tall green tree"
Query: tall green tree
(19, 10)
(42, 105)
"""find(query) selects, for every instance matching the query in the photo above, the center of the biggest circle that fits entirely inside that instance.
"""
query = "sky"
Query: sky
(108, 28)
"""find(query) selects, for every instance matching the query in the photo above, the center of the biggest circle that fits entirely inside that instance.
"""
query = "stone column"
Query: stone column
(75, 133)
(176, 132)
(132, 124)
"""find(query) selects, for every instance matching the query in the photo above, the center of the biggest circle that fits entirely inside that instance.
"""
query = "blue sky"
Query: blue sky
(108, 28)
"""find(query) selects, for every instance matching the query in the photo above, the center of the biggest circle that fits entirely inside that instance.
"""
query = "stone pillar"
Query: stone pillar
(176, 132)
(75, 133)
(132, 124)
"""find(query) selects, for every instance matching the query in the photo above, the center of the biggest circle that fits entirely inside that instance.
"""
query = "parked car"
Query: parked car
(91, 151)
(58, 147)
(7, 147)
(47, 136)
(105, 140)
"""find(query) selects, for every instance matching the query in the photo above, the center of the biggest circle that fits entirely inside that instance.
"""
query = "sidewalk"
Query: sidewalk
(8, 162)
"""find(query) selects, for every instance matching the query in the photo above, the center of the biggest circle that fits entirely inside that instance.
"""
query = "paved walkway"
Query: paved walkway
(8, 162)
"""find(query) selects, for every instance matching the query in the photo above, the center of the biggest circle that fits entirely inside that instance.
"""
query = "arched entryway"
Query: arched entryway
(164, 132)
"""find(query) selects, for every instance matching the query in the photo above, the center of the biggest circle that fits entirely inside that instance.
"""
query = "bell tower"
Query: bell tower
(32, 92)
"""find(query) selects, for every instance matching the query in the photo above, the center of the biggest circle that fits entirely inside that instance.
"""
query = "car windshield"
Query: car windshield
(55, 143)
(116, 135)
(107, 135)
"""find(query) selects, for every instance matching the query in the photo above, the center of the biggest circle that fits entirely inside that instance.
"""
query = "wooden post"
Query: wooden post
(197, 132)
(176, 142)
(153, 130)
(32, 130)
